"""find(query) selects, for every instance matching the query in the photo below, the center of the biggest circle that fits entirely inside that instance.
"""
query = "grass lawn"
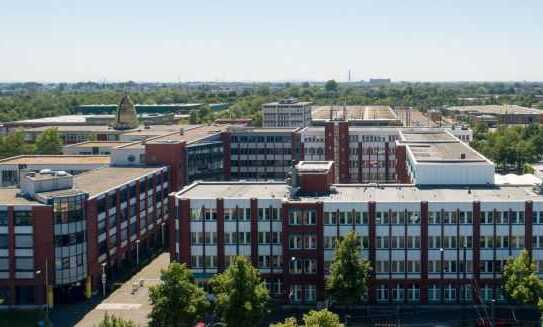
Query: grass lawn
(16, 318)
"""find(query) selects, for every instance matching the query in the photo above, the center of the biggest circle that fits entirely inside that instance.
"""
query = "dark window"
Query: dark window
(23, 218)
(101, 205)
(4, 241)
(3, 218)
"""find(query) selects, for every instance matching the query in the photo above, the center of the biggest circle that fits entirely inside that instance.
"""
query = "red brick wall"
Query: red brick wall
(220, 235)
(172, 155)
(254, 231)
(401, 164)
(44, 247)
(184, 227)
(343, 165)
(227, 162)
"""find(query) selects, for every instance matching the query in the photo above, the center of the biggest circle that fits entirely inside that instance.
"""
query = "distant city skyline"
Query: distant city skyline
(171, 41)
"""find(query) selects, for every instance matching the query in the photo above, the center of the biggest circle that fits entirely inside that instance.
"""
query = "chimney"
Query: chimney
(181, 131)
(462, 156)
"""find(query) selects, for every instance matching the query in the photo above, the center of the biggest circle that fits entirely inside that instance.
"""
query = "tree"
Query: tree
(48, 142)
(348, 280)
(241, 295)
(177, 301)
(331, 86)
(321, 318)
(112, 321)
(194, 117)
(521, 282)
(13, 144)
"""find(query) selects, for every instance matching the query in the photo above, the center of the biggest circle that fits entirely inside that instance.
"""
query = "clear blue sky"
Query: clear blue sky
(160, 40)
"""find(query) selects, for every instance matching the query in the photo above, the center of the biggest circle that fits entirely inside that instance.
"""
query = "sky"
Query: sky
(279, 40)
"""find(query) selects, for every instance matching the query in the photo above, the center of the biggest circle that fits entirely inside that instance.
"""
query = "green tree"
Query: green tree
(321, 318)
(112, 321)
(13, 144)
(331, 86)
(241, 295)
(177, 301)
(194, 117)
(348, 280)
(48, 142)
(521, 282)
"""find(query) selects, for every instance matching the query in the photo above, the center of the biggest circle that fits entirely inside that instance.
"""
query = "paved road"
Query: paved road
(122, 302)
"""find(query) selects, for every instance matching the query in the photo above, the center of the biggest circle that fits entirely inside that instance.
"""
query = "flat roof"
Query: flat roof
(82, 119)
(191, 135)
(279, 130)
(497, 109)
(56, 160)
(314, 166)
(353, 113)
(287, 104)
(241, 189)
(80, 129)
(11, 196)
(449, 152)
(158, 130)
(415, 136)
(430, 145)
(104, 179)
(99, 144)
(363, 192)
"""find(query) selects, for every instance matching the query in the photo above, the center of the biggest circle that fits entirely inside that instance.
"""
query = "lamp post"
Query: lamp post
(442, 295)
(163, 236)
(104, 279)
(46, 287)
(138, 253)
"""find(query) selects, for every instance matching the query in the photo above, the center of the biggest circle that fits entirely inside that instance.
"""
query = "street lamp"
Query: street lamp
(104, 279)
(138, 253)
(162, 230)
(441, 253)
(46, 286)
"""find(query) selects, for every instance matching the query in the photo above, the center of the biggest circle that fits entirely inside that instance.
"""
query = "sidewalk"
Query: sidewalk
(126, 304)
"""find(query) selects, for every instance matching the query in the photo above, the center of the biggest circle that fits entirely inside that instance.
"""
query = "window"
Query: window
(23, 241)
(23, 218)
(4, 241)
(24, 264)
(3, 218)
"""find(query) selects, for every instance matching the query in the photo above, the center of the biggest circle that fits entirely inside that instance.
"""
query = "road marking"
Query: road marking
(118, 306)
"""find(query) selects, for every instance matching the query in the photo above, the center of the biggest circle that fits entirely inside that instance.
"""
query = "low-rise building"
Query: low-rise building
(493, 115)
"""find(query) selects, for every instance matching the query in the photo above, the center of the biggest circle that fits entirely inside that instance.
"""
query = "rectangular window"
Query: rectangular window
(23, 218)
(23, 241)
(3, 218)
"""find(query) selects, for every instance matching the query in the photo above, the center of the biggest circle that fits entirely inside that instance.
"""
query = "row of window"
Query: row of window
(20, 218)
(401, 217)
(260, 139)
(261, 151)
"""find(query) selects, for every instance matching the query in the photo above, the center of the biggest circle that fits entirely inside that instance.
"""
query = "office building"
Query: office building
(286, 113)
(429, 240)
